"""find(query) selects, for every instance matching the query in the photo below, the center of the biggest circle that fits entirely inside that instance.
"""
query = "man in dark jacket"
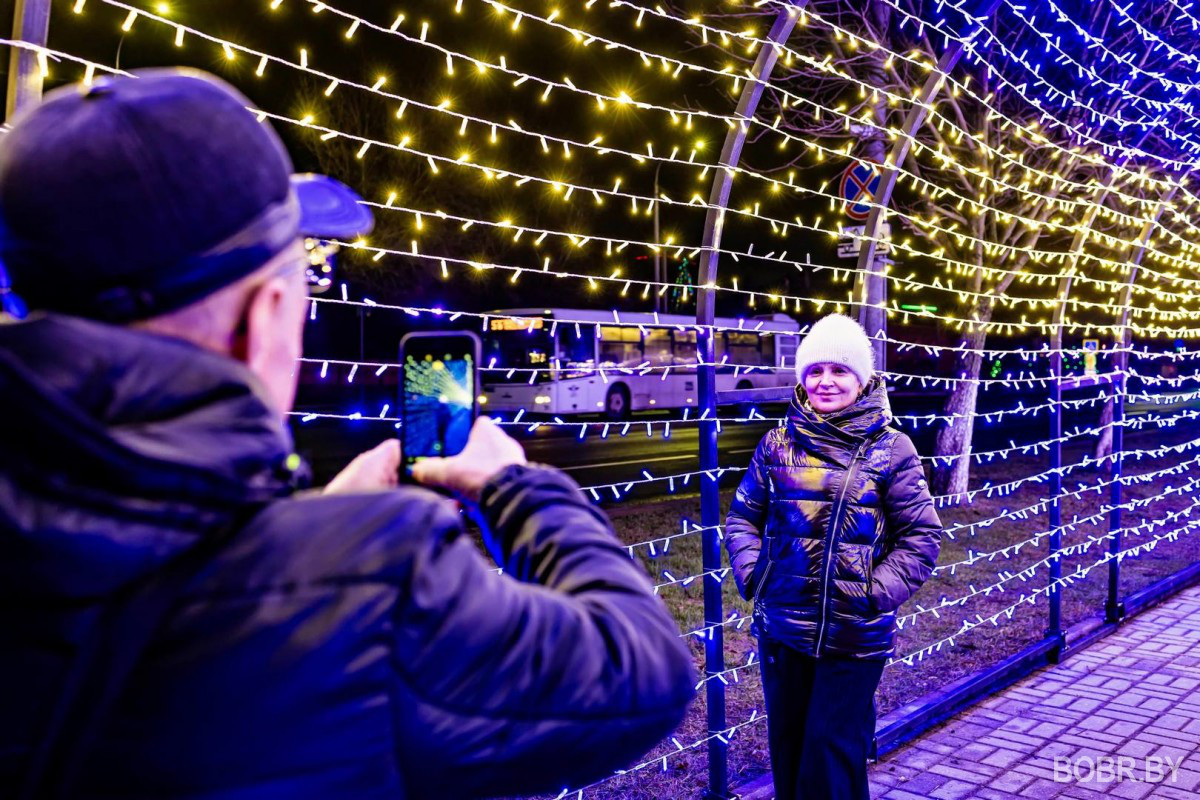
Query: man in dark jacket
(175, 621)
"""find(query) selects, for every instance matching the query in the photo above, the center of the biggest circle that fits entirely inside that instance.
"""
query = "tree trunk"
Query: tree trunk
(955, 438)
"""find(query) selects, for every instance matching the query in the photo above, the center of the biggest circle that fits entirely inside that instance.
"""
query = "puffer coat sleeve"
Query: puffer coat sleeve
(553, 677)
(912, 531)
(746, 520)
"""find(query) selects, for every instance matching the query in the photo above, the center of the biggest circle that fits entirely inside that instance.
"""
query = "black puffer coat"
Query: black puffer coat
(352, 646)
(844, 484)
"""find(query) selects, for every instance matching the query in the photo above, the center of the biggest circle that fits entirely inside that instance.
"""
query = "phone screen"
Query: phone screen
(438, 394)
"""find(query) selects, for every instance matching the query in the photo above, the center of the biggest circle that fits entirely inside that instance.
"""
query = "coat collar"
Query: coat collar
(841, 430)
(126, 447)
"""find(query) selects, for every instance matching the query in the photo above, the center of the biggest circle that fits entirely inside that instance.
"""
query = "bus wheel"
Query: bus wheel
(616, 405)
(743, 409)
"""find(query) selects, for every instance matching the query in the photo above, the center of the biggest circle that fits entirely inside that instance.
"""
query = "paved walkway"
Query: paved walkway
(1127, 707)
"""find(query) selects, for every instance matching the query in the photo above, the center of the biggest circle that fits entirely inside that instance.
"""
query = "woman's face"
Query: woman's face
(831, 387)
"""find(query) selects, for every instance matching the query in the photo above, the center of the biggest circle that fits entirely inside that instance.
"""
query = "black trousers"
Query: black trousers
(820, 722)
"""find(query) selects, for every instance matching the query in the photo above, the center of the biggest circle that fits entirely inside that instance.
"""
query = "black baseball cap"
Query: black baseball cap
(140, 194)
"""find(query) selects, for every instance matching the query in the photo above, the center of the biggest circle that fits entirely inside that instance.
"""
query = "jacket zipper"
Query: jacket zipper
(762, 581)
(830, 555)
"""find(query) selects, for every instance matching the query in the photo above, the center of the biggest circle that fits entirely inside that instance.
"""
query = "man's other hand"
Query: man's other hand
(488, 451)
(372, 471)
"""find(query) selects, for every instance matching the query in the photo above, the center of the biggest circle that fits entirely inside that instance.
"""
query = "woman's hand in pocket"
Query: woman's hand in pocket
(878, 598)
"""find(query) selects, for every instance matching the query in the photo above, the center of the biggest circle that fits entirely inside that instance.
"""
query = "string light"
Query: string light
(365, 143)
(952, 81)
(441, 261)
(356, 21)
(1160, 303)
(1031, 597)
(952, 531)
(991, 40)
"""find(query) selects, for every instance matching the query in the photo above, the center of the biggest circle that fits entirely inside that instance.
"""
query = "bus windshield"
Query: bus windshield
(517, 344)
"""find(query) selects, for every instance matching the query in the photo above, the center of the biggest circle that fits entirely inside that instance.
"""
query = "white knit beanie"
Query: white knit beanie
(837, 339)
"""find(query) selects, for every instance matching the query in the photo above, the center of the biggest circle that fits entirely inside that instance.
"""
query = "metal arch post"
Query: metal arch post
(1114, 608)
(710, 490)
(873, 309)
(31, 23)
(1054, 486)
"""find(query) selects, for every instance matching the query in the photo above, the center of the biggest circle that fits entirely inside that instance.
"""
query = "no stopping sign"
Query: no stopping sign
(859, 183)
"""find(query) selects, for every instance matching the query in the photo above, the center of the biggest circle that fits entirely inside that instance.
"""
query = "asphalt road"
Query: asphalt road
(600, 461)
(329, 445)
(595, 461)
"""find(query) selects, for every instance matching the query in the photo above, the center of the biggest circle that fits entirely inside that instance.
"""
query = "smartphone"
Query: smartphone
(439, 394)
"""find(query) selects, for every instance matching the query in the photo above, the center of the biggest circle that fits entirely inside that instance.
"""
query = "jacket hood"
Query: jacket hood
(124, 448)
(841, 430)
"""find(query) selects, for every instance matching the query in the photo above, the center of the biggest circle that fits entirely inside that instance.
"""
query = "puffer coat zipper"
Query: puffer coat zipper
(762, 581)
(839, 509)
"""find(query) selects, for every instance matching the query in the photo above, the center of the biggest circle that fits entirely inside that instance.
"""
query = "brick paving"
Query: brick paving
(1119, 708)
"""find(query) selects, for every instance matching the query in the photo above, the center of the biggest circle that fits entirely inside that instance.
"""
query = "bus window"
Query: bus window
(683, 347)
(743, 348)
(577, 349)
(658, 346)
(620, 346)
(767, 345)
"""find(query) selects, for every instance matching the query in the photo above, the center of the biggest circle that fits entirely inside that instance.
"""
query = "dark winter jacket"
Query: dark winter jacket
(833, 528)
(351, 646)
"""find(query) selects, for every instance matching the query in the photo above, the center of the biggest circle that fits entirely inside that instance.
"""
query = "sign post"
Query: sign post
(852, 237)
(862, 189)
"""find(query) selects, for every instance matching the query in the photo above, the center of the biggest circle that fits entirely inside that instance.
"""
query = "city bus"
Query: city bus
(568, 361)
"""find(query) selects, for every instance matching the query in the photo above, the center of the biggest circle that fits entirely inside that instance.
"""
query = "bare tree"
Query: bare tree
(993, 183)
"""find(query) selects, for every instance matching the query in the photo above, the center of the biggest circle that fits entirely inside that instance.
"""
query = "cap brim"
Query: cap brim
(329, 209)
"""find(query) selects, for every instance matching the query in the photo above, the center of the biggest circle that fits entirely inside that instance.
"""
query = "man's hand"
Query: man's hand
(372, 471)
(488, 451)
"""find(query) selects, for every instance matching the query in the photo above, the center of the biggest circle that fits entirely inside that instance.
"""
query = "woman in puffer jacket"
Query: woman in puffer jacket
(832, 529)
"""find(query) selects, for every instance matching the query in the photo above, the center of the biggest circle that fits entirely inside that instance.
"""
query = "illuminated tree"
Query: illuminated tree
(1016, 154)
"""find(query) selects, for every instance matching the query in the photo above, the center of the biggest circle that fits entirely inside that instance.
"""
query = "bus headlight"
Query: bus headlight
(542, 398)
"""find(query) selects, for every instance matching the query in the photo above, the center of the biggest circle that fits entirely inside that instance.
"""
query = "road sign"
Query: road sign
(1089, 355)
(851, 239)
(859, 182)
